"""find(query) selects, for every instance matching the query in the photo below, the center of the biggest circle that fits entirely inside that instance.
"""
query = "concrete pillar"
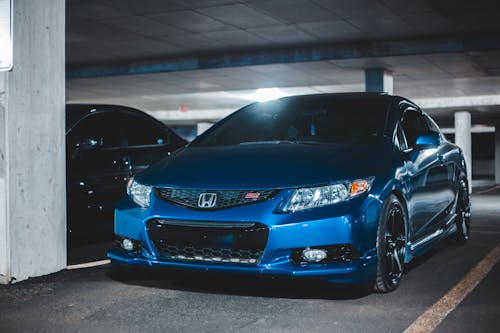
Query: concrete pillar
(463, 139)
(202, 127)
(32, 145)
(497, 153)
(378, 80)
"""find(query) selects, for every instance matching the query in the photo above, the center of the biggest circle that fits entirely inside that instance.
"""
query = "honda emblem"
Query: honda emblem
(207, 200)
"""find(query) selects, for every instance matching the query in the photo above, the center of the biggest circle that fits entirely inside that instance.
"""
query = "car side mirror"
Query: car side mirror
(85, 145)
(428, 140)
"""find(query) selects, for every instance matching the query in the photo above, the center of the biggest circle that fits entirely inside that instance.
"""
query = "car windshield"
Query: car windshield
(316, 121)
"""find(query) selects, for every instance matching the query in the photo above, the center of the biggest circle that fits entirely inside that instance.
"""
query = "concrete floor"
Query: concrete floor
(92, 300)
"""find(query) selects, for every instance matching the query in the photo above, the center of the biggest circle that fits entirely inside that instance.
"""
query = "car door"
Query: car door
(96, 168)
(426, 177)
(442, 177)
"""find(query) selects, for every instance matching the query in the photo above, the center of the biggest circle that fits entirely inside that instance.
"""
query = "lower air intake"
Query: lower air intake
(205, 241)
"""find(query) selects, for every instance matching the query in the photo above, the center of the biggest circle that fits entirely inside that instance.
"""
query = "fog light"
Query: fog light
(127, 244)
(314, 255)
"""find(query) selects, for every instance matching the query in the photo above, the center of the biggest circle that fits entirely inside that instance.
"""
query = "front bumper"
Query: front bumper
(354, 223)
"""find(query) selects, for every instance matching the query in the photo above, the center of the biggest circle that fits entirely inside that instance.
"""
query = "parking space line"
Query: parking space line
(89, 264)
(496, 187)
(434, 315)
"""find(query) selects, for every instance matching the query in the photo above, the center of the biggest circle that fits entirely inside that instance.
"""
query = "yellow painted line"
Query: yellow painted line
(434, 315)
(89, 264)
(496, 187)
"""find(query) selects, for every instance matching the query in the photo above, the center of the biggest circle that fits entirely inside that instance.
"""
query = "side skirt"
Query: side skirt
(418, 245)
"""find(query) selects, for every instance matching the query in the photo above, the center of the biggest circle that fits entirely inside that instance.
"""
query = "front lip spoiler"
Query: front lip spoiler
(358, 267)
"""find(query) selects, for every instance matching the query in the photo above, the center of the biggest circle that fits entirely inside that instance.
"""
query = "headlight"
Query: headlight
(139, 193)
(311, 197)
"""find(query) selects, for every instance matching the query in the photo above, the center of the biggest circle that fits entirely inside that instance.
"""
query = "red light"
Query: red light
(252, 195)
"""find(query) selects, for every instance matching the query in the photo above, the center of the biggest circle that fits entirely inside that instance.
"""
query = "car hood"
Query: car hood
(267, 166)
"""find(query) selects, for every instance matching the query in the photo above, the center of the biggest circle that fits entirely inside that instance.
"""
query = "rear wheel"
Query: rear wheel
(391, 246)
(462, 219)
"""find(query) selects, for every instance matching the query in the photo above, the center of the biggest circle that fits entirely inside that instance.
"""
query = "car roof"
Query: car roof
(341, 96)
(76, 112)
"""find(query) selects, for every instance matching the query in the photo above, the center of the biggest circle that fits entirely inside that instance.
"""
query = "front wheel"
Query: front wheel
(391, 245)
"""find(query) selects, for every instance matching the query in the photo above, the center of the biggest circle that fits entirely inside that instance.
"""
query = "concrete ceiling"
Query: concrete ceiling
(206, 55)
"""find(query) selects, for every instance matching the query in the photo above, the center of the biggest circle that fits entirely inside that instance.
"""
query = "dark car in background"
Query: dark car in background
(105, 146)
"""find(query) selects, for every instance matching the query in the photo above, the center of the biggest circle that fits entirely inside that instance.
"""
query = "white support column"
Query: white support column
(32, 145)
(497, 153)
(379, 80)
(202, 127)
(463, 139)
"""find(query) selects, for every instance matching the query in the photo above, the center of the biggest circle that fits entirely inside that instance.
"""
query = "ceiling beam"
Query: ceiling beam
(323, 52)
(459, 103)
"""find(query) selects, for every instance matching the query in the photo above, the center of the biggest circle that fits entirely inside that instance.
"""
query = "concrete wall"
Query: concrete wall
(463, 139)
(3, 198)
(32, 145)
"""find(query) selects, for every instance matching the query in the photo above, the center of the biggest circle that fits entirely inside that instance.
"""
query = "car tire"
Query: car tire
(391, 245)
(462, 220)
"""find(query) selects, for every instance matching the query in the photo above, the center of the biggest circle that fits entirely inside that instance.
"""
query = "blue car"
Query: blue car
(342, 187)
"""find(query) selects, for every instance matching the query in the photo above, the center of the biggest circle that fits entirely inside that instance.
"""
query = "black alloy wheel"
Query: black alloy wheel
(391, 246)
(462, 220)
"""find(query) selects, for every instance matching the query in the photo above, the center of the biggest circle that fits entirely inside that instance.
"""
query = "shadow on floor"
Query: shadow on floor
(237, 284)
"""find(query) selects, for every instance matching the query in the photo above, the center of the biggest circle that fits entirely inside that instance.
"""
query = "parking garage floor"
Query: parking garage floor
(94, 300)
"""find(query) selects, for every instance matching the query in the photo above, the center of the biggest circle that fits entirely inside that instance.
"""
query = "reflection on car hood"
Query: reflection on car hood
(267, 166)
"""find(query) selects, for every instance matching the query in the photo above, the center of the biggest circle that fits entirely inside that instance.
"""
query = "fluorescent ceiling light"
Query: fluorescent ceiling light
(264, 95)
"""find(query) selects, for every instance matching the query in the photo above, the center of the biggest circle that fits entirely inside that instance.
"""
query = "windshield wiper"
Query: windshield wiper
(269, 142)
(310, 142)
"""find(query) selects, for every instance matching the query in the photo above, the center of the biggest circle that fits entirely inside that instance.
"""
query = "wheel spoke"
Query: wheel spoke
(391, 260)
(395, 242)
(398, 260)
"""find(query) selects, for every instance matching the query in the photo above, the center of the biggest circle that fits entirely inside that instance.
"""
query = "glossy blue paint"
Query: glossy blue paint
(425, 179)
(428, 140)
(267, 166)
(340, 224)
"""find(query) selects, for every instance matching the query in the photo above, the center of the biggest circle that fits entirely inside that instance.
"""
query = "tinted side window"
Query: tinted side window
(101, 128)
(141, 131)
(115, 129)
(413, 124)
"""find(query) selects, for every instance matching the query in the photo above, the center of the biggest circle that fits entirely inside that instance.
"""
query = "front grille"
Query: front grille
(216, 242)
(210, 254)
(225, 198)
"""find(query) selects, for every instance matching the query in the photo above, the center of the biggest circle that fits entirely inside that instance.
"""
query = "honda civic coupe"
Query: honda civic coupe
(342, 187)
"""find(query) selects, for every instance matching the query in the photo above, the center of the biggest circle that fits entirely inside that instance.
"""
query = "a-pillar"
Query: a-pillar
(378, 80)
(497, 153)
(32, 144)
(463, 139)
